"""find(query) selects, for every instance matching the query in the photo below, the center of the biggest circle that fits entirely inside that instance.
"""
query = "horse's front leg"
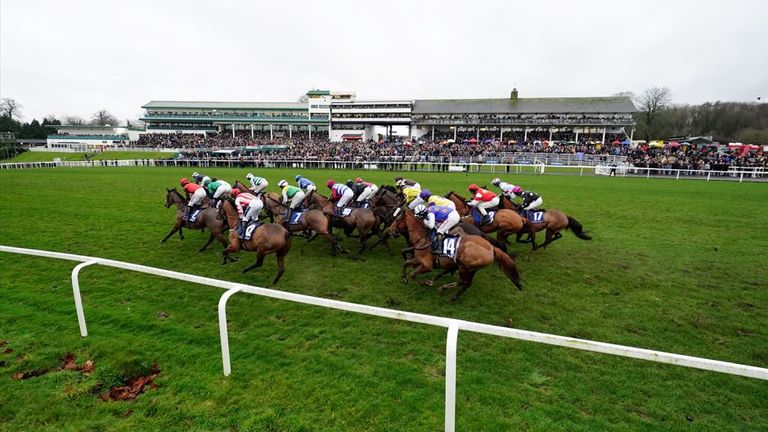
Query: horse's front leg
(210, 240)
(175, 228)
(259, 262)
(406, 264)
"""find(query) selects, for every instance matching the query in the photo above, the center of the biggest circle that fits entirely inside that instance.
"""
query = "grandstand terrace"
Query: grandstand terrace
(520, 119)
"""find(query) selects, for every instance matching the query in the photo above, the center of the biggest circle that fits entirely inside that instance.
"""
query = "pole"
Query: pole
(450, 377)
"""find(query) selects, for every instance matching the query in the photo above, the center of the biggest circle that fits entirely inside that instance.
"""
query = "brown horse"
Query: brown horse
(311, 220)
(554, 222)
(207, 219)
(505, 222)
(266, 239)
(473, 254)
(362, 219)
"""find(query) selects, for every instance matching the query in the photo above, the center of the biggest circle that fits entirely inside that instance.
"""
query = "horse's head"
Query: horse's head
(398, 222)
(172, 197)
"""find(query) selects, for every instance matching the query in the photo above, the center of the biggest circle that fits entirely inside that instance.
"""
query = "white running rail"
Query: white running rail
(453, 325)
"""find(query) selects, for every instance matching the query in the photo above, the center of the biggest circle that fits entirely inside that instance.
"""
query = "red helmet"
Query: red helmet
(473, 187)
(330, 183)
(359, 180)
(234, 192)
(184, 181)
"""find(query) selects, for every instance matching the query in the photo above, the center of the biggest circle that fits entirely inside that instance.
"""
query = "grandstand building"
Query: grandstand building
(523, 118)
(91, 137)
(337, 116)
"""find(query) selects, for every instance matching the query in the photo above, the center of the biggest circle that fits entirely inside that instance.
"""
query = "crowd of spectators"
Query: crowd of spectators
(694, 158)
(300, 147)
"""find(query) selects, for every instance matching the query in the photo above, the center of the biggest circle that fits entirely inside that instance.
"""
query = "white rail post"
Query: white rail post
(223, 332)
(78, 299)
(450, 377)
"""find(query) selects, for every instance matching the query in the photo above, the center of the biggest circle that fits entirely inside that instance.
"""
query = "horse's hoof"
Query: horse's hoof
(404, 280)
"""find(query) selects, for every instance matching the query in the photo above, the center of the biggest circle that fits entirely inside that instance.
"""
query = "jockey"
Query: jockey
(506, 188)
(402, 183)
(248, 208)
(440, 201)
(357, 189)
(196, 196)
(411, 193)
(216, 190)
(426, 197)
(433, 215)
(305, 184)
(369, 189)
(482, 200)
(531, 200)
(199, 178)
(258, 184)
(340, 194)
(292, 197)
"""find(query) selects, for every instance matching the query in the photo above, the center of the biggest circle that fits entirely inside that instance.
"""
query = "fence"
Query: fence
(535, 166)
(453, 325)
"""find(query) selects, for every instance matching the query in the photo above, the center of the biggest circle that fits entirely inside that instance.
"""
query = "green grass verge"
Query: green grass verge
(674, 266)
(111, 155)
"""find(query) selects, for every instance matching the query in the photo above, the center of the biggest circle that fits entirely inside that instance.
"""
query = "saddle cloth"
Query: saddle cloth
(246, 233)
(477, 216)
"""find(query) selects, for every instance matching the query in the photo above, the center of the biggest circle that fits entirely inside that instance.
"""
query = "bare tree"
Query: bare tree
(303, 99)
(10, 108)
(103, 117)
(135, 123)
(74, 120)
(651, 102)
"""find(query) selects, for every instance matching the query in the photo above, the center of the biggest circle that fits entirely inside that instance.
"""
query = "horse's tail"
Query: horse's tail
(508, 266)
(494, 242)
(288, 238)
(577, 229)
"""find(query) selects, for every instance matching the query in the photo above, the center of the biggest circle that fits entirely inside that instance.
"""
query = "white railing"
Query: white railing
(535, 167)
(453, 325)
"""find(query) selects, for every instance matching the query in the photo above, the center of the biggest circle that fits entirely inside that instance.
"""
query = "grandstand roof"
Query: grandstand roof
(614, 104)
(225, 105)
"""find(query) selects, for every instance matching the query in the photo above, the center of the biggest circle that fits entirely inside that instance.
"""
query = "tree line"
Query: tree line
(11, 113)
(658, 118)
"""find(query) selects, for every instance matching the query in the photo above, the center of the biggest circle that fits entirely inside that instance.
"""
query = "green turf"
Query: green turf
(50, 156)
(674, 266)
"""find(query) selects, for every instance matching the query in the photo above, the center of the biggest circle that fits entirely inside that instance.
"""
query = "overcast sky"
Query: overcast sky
(76, 57)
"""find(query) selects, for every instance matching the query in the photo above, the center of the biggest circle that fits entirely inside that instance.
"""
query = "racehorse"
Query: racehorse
(266, 239)
(206, 219)
(505, 222)
(362, 219)
(473, 254)
(311, 220)
(554, 221)
(467, 227)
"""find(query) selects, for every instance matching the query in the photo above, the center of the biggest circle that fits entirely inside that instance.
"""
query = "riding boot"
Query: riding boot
(187, 213)
(288, 214)
(437, 246)
(485, 220)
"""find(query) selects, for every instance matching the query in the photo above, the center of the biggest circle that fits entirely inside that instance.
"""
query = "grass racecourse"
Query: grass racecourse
(676, 266)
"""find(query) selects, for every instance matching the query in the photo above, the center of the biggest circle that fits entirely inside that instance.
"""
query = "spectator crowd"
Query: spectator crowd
(300, 147)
